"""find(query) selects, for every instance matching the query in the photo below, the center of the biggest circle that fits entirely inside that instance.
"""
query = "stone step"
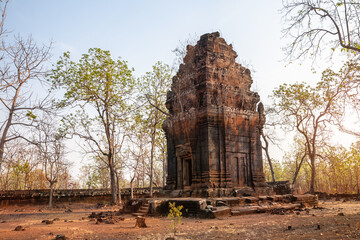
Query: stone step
(244, 211)
(251, 199)
(143, 211)
(137, 214)
(238, 211)
(216, 212)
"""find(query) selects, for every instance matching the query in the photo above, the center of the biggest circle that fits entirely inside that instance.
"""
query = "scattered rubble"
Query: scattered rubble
(46, 221)
(19, 228)
(106, 217)
(61, 237)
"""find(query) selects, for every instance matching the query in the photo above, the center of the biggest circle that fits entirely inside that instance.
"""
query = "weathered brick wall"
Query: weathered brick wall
(41, 196)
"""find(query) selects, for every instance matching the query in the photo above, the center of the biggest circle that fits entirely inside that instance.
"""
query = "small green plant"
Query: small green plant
(175, 216)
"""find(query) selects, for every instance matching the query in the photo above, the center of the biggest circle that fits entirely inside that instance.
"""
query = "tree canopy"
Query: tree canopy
(105, 86)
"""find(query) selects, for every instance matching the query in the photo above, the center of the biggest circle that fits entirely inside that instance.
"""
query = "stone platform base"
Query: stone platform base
(219, 192)
(226, 206)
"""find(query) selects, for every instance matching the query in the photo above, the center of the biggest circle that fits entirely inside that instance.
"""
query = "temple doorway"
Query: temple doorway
(186, 172)
(240, 170)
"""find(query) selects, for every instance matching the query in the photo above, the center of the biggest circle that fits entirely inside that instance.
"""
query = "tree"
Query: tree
(95, 175)
(154, 86)
(3, 6)
(296, 158)
(23, 64)
(51, 149)
(139, 154)
(355, 156)
(101, 85)
(120, 159)
(265, 147)
(181, 50)
(21, 160)
(310, 110)
(316, 25)
(350, 101)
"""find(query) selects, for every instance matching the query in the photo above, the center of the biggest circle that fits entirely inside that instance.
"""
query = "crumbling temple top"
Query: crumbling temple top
(213, 131)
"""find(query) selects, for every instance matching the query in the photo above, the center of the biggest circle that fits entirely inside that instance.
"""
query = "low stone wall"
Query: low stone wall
(339, 196)
(281, 187)
(41, 196)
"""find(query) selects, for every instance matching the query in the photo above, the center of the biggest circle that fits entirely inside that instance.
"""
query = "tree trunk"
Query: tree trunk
(112, 181)
(8, 123)
(313, 173)
(140, 222)
(143, 172)
(131, 190)
(357, 180)
(118, 189)
(51, 194)
(164, 170)
(351, 181)
(152, 159)
(266, 149)
(298, 168)
(4, 135)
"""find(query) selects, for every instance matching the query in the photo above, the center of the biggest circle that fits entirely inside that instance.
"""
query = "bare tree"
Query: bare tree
(51, 150)
(139, 153)
(265, 147)
(316, 25)
(181, 49)
(23, 63)
(3, 6)
(269, 136)
(350, 101)
(135, 174)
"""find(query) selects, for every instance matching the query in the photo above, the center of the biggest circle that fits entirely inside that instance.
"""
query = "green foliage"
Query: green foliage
(99, 82)
(153, 87)
(96, 78)
(338, 168)
(152, 112)
(311, 110)
(279, 171)
(101, 90)
(30, 115)
(24, 170)
(175, 215)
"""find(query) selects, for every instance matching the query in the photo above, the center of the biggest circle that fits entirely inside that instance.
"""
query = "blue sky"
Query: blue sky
(143, 32)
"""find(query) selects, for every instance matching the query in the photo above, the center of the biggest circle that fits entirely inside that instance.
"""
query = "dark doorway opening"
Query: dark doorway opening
(187, 173)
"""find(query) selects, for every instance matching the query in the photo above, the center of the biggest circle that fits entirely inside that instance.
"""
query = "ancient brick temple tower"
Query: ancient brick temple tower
(213, 131)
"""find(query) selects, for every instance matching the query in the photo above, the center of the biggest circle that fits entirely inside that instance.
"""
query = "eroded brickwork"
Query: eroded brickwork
(214, 129)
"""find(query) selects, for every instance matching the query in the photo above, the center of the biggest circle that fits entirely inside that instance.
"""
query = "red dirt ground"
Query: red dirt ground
(333, 220)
